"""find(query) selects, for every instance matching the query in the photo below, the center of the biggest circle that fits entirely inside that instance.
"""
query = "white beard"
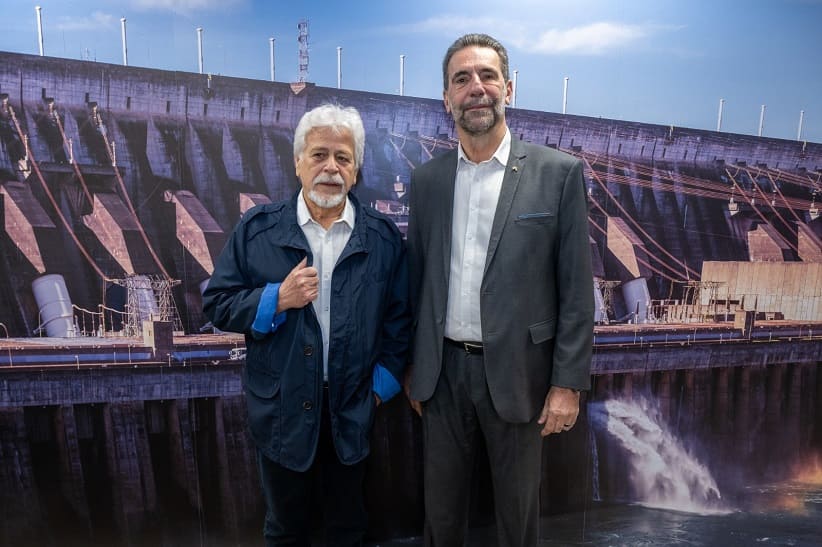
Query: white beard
(326, 202)
(323, 201)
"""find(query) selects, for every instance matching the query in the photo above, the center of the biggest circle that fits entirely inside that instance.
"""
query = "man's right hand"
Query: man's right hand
(300, 287)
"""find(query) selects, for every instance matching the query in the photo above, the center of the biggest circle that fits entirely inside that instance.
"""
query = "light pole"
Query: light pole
(200, 47)
(516, 88)
(39, 10)
(125, 45)
(719, 116)
(402, 75)
(271, 55)
(339, 67)
(761, 120)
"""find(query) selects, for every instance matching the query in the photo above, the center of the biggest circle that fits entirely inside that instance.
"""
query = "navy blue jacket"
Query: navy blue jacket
(370, 322)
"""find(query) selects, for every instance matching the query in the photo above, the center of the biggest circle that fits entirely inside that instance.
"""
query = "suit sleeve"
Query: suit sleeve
(575, 323)
(415, 253)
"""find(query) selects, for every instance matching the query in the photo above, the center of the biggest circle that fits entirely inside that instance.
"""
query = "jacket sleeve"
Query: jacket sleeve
(396, 322)
(230, 301)
(415, 257)
(575, 320)
(266, 309)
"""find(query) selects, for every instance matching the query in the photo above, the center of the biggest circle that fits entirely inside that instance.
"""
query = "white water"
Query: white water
(662, 472)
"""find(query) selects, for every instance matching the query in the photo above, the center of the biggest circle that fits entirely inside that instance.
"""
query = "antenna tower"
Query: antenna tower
(302, 39)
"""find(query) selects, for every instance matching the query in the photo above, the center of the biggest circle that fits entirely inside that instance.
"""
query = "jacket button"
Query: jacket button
(308, 351)
(308, 405)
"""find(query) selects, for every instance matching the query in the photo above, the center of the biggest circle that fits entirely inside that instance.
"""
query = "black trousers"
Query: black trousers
(290, 497)
(453, 419)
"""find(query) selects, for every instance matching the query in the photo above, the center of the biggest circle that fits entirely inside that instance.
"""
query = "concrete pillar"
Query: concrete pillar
(72, 479)
(792, 417)
(677, 398)
(773, 405)
(702, 399)
(627, 391)
(242, 455)
(19, 500)
(811, 413)
(775, 435)
(128, 457)
(228, 507)
(742, 410)
(817, 436)
(686, 405)
(183, 460)
(639, 384)
(395, 465)
(721, 440)
(662, 392)
(603, 387)
(721, 407)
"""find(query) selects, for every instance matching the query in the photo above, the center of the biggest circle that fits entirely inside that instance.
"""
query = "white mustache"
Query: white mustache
(328, 179)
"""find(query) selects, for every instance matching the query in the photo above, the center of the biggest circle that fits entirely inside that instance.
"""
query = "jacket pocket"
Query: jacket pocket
(261, 383)
(534, 218)
(264, 403)
(542, 331)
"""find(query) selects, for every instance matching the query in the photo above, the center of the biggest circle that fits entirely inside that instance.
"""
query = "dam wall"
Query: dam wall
(108, 171)
(140, 453)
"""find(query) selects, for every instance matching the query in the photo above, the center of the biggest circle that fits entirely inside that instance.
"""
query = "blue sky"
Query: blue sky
(655, 61)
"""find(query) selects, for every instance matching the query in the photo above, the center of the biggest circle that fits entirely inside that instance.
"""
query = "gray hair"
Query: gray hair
(336, 117)
(478, 40)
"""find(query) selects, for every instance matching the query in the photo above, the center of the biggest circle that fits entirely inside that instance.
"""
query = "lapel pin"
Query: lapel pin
(515, 169)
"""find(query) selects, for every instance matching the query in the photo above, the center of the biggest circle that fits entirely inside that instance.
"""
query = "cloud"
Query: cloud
(593, 39)
(96, 20)
(454, 25)
(185, 7)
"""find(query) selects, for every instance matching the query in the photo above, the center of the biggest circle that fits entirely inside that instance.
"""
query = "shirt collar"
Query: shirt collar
(304, 215)
(501, 154)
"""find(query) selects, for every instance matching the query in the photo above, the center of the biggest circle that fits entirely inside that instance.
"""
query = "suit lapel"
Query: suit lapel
(446, 184)
(510, 181)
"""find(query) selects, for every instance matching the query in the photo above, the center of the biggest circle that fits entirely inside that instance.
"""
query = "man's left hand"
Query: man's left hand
(560, 410)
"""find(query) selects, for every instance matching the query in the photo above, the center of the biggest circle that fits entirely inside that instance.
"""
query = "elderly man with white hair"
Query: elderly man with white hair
(318, 285)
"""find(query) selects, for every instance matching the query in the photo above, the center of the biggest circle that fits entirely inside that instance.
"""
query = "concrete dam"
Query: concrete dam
(123, 183)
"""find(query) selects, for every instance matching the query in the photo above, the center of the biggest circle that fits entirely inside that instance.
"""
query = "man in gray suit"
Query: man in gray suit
(502, 287)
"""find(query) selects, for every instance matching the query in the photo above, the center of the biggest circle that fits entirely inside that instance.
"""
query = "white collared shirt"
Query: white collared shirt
(476, 193)
(326, 248)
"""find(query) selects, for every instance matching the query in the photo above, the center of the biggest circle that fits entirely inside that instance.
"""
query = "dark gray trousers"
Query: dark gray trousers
(453, 419)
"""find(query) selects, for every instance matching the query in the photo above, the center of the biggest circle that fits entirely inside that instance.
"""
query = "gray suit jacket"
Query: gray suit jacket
(536, 306)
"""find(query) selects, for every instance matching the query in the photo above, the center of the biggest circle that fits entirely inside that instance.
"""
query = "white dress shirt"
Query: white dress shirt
(326, 248)
(476, 193)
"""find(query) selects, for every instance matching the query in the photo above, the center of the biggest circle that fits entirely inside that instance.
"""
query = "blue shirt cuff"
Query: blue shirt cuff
(385, 385)
(267, 319)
